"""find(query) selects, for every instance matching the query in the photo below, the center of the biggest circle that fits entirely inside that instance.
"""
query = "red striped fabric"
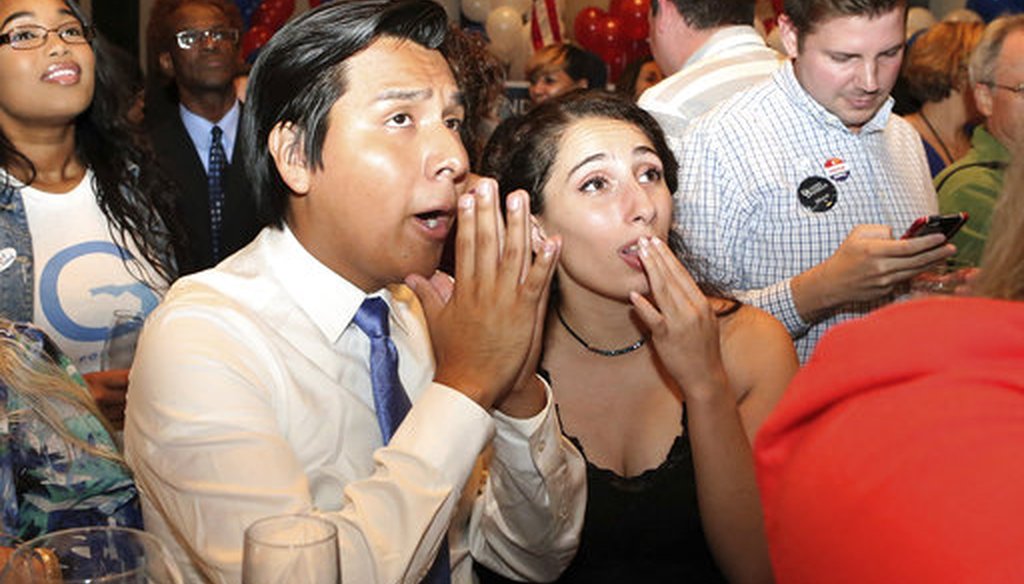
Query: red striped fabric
(545, 28)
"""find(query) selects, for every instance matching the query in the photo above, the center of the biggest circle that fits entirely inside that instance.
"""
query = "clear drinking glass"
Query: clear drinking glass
(123, 336)
(944, 278)
(92, 555)
(291, 549)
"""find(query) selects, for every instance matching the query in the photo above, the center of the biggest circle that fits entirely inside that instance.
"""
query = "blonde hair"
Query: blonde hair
(578, 64)
(1002, 263)
(550, 58)
(43, 384)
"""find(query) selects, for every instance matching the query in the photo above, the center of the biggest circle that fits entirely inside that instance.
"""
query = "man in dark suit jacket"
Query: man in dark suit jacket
(194, 47)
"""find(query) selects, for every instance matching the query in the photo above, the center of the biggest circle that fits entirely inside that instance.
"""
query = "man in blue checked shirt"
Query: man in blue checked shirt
(797, 190)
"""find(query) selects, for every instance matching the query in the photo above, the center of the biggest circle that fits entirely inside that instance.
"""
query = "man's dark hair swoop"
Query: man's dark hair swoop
(300, 74)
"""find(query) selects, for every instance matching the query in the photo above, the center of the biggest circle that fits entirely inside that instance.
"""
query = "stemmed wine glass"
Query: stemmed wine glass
(291, 549)
(92, 555)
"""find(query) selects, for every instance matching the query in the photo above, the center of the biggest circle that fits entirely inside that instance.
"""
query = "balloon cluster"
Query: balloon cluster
(262, 19)
(507, 26)
(618, 36)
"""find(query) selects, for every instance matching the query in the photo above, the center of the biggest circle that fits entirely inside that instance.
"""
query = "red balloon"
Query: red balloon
(587, 25)
(634, 17)
(254, 38)
(616, 57)
(610, 34)
(638, 50)
(273, 13)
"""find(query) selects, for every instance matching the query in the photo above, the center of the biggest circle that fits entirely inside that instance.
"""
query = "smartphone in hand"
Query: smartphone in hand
(947, 225)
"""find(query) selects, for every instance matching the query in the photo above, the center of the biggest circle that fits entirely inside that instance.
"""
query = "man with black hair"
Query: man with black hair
(796, 190)
(327, 368)
(192, 116)
(708, 50)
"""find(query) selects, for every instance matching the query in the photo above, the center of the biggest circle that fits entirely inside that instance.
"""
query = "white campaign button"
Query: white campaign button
(7, 257)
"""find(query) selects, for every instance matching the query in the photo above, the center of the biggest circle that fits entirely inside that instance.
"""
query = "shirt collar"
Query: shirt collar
(10, 186)
(786, 78)
(327, 298)
(198, 128)
(987, 147)
(726, 39)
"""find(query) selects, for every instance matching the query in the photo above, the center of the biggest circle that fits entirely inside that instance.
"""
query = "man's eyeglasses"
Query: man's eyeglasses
(33, 36)
(189, 38)
(1018, 89)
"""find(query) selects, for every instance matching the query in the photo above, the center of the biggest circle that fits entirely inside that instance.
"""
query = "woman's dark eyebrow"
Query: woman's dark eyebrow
(15, 16)
(586, 160)
(25, 13)
(645, 150)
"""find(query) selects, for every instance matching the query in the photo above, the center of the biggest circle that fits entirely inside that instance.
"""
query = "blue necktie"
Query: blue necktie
(389, 397)
(215, 185)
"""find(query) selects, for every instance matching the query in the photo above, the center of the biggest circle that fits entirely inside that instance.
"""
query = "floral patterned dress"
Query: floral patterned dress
(47, 483)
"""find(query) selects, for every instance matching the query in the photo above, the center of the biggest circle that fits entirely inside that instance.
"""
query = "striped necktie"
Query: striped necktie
(215, 186)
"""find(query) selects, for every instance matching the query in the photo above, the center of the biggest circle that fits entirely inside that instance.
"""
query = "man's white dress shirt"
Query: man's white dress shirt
(741, 173)
(251, 396)
(198, 129)
(733, 59)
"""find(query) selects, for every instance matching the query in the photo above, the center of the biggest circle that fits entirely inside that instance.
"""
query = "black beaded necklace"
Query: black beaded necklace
(603, 352)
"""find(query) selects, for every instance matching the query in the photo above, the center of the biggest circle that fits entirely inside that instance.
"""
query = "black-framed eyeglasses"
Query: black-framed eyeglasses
(189, 38)
(1018, 89)
(33, 36)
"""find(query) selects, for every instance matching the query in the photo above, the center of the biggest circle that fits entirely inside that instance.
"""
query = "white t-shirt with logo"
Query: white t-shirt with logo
(80, 277)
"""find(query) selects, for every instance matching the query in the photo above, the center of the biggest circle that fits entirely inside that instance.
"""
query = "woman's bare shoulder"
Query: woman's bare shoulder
(754, 342)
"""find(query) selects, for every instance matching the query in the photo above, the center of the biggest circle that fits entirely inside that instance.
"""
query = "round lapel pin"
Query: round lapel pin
(836, 169)
(817, 194)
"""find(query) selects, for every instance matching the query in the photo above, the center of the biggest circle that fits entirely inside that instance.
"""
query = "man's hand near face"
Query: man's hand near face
(487, 334)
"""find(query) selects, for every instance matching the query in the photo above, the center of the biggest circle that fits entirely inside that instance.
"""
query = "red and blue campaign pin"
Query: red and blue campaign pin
(836, 169)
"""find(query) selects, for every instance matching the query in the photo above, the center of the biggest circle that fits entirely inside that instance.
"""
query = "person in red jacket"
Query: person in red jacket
(895, 454)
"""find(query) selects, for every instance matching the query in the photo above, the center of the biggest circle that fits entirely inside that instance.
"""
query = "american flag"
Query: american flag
(545, 25)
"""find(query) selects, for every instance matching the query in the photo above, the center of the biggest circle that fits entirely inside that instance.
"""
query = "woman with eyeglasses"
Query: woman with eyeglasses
(83, 215)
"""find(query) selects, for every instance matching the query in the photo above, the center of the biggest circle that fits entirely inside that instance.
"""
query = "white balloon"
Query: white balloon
(504, 26)
(521, 6)
(476, 10)
(519, 58)
(919, 18)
